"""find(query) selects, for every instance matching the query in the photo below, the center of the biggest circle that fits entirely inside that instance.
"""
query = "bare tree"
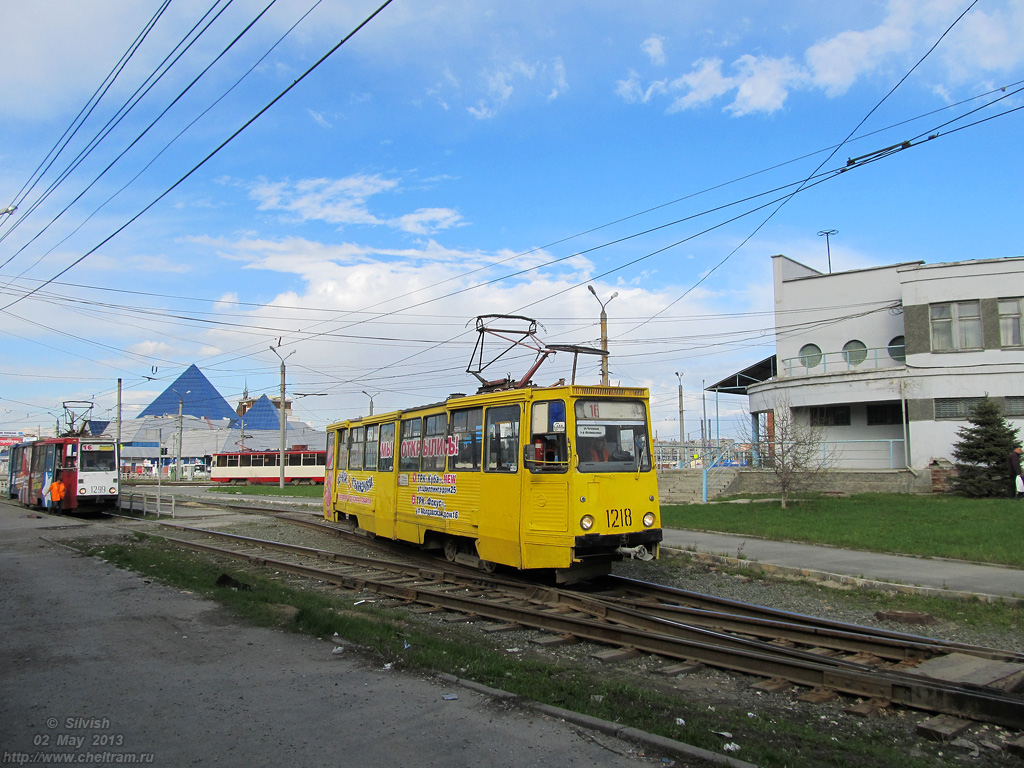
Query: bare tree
(794, 452)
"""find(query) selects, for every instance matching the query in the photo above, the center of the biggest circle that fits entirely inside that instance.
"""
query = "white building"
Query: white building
(888, 361)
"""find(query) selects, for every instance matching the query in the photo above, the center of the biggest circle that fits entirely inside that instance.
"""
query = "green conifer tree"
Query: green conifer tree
(980, 454)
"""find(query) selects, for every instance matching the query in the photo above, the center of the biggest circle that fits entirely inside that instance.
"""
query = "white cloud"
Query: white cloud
(704, 83)
(336, 201)
(654, 47)
(427, 220)
(632, 91)
(226, 302)
(986, 40)
(319, 119)
(500, 84)
(764, 84)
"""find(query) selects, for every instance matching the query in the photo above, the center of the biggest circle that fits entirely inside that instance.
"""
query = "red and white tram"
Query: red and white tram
(88, 468)
(264, 467)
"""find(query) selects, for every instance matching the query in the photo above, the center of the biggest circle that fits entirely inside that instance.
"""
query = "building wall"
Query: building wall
(831, 310)
(924, 378)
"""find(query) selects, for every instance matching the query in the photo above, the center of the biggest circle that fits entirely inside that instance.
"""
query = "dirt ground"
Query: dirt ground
(103, 666)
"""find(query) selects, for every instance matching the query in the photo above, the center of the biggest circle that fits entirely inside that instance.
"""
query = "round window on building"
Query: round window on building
(855, 352)
(810, 355)
(898, 349)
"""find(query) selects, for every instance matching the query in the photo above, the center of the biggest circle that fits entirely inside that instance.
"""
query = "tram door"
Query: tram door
(545, 519)
(501, 492)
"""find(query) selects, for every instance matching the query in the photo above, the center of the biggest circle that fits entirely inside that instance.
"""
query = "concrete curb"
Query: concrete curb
(826, 576)
(634, 735)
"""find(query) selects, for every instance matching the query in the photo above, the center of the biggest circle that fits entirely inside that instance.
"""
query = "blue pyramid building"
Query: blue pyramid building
(196, 395)
(262, 415)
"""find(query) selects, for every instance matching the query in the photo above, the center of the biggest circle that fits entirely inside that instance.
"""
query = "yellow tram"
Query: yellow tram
(532, 478)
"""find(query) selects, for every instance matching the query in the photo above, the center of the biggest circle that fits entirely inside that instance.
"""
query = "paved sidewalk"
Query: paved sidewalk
(920, 574)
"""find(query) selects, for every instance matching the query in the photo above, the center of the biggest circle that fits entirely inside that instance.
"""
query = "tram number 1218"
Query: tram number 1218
(618, 518)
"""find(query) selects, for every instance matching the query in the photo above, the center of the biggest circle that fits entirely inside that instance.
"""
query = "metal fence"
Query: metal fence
(837, 454)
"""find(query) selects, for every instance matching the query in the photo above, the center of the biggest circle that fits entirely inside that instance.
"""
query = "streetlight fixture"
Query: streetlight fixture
(10, 209)
(371, 399)
(827, 233)
(283, 422)
(604, 332)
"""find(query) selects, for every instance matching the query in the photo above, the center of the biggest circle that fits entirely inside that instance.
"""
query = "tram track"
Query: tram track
(687, 627)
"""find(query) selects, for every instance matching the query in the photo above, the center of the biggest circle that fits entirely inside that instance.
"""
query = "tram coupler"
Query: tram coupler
(636, 553)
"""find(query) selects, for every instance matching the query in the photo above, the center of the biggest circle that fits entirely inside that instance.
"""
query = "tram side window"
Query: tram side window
(370, 448)
(503, 439)
(433, 454)
(328, 458)
(386, 462)
(293, 459)
(245, 460)
(232, 461)
(467, 430)
(357, 437)
(342, 449)
(547, 449)
(409, 461)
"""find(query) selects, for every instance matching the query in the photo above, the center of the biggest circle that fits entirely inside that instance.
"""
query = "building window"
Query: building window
(881, 414)
(830, 416)
(955, 407)
(855, 352)
(898, 349)
(1010, 322)
(1014, 406)
(956, 326)
(810, 355)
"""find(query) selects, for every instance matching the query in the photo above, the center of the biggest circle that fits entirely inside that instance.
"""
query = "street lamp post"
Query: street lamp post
(604, 333)
(283, 422)
(827, 233)
(371, 399)
(682, 425)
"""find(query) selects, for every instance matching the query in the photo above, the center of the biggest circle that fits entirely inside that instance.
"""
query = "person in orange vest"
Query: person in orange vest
(57, 492)
(599, 451)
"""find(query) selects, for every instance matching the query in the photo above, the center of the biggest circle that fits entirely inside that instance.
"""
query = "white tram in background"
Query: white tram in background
(250, 467)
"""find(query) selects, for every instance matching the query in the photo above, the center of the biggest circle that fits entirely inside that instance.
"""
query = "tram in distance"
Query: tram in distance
(534, 478)
(87, 467)
(251, 467)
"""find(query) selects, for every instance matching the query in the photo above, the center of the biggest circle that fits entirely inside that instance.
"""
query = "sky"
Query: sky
(200, 181)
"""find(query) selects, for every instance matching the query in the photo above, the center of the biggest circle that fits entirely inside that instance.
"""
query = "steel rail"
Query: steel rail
(715, 649)
(672, 598)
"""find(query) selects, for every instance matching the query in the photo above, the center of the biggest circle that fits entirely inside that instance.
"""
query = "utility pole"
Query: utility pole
(181, 404)
(682, 427)
(703, 434)
(283, 421)
(118, 459)
(604, 333)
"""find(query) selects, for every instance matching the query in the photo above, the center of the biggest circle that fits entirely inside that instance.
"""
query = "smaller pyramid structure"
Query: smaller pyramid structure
(196, 395)
(262, 415)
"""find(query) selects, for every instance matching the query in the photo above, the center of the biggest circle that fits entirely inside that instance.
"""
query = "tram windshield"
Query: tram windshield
(99, 460)
(611, 436)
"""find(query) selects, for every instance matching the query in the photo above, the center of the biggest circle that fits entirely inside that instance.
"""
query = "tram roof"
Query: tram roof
(458, 401)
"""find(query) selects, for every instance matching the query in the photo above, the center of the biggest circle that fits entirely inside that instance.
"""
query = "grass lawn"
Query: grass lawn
(933, 525)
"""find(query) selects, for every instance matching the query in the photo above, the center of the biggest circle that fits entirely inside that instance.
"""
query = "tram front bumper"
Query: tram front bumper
(605, 543)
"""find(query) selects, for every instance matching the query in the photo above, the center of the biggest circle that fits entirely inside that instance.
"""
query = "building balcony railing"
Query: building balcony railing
(813, 362)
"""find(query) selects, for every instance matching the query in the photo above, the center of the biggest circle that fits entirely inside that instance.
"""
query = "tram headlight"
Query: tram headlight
(586, 522)
(648, 520)
(113, 490)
